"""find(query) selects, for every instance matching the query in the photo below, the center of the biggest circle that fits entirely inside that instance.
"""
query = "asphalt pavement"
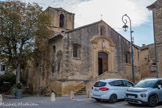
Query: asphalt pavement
(44, 102)
(64, 102)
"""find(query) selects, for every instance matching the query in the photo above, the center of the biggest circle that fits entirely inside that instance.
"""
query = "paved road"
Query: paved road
(120, 104)
(64, 102)
(44, 102)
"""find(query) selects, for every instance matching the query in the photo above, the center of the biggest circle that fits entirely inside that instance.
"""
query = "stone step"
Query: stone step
(82, 91)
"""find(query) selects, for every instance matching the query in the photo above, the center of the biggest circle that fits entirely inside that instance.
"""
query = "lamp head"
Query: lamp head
(125, 27)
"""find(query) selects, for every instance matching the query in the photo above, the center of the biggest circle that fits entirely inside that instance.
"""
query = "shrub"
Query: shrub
(7, 81)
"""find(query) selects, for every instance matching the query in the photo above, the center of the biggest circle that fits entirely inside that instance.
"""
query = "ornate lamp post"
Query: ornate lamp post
(125, 27)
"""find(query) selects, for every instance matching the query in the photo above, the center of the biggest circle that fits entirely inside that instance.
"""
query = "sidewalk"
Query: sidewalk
(41, 99)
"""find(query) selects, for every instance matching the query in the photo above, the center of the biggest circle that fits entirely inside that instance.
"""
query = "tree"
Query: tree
(21, 25)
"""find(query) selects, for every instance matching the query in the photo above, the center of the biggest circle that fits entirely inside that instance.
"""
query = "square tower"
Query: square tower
(61, 19)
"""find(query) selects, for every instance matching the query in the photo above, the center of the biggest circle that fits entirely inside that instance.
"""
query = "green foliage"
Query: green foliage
(21, 25)
(13, 90)
(19, 85)
(7, 77)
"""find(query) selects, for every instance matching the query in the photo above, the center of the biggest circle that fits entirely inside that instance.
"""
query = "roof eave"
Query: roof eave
(152, 6)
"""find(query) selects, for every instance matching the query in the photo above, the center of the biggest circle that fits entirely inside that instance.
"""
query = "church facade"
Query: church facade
(77, 57)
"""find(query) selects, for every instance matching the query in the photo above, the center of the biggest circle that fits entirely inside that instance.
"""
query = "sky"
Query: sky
(111, 11)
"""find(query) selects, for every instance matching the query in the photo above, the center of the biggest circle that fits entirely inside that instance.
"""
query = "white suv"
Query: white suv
(110, 89)
(146, 91)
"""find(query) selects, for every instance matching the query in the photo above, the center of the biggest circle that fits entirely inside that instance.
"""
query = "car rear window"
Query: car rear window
(116, 83)
(100, 84)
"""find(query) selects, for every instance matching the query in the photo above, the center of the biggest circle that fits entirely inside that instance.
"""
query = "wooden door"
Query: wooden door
(105, 64)
(102, 62)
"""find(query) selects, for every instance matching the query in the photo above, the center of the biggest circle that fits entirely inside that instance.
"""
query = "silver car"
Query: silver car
(146, 91)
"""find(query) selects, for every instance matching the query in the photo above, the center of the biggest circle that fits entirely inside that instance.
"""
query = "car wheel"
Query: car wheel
(152, 101)
(98, 100)
(113, 98)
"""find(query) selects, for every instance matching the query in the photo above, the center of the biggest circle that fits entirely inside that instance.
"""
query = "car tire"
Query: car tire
(113, 98)
(98, 100)
(152, 101)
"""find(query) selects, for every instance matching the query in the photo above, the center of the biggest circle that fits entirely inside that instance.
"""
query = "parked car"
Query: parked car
(110, 89)
(146, 91)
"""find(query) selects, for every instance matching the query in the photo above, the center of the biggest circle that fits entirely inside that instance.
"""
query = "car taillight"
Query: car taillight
(104, 89)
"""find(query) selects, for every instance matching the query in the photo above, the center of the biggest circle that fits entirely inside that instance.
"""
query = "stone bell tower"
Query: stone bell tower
(61, 19)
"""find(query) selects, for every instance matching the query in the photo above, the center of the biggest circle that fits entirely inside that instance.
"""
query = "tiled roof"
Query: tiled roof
(152, 6)
(146, 46)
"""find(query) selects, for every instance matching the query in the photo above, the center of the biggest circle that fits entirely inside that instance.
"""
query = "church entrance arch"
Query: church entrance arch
(103, 55)
(102, 62)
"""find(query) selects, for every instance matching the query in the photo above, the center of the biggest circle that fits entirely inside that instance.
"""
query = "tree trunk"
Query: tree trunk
(18, 72)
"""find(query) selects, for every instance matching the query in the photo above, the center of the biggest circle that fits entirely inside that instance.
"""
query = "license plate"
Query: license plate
(96, 89)
(131, 96)
(96, 95)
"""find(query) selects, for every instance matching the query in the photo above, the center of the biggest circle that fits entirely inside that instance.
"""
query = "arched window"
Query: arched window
(61, 20)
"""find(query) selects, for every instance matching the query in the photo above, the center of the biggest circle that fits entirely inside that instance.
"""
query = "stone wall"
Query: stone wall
(55, 57)
(55, 19)
(79, 68)
(157, 13)
(82, 68)
(146, 61)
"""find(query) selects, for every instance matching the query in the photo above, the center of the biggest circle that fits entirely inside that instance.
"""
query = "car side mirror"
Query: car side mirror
(159, 86)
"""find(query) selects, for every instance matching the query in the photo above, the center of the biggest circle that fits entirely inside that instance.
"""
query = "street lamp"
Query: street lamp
(125, 28)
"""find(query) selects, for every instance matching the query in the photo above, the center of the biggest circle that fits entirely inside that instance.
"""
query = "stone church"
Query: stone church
(77, 57)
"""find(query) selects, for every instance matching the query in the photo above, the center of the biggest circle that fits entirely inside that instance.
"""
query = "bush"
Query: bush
(7, 81)
(13, 90)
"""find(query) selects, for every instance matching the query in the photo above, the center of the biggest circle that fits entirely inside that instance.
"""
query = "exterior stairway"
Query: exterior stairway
(82, 91)
(84, 87)
(105, 75)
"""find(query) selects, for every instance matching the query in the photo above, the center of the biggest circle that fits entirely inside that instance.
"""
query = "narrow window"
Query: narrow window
(76, 51)
(61, 20)
(54, 49)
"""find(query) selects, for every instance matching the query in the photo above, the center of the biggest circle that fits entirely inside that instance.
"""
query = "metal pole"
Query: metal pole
(155, 53)
(125, 21)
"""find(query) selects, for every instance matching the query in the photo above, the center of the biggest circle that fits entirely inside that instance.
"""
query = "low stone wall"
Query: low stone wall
(63, 88)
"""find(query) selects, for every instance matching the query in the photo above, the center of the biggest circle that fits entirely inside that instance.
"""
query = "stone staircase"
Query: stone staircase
(84, 87)
(81, 91)
(105, 75)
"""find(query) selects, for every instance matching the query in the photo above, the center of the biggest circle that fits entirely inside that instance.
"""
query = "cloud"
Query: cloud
(112, 11)
(89, 11)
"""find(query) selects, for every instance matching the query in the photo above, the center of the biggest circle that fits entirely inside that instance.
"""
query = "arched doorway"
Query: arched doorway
(102, 62)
